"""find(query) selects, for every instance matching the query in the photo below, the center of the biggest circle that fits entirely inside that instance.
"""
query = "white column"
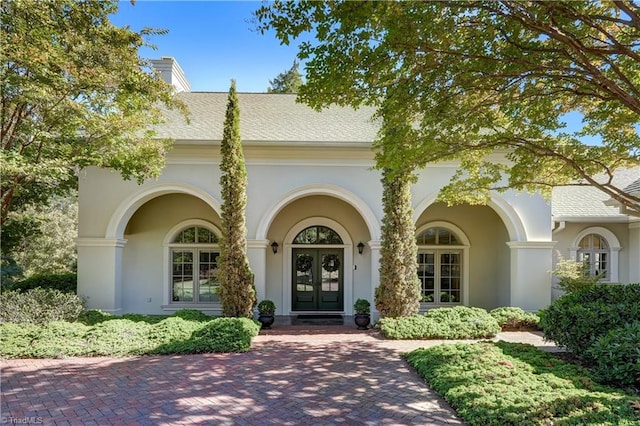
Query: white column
(256, 253)
(100, 273)
(634, 252)
(374, 246)
(531, 264)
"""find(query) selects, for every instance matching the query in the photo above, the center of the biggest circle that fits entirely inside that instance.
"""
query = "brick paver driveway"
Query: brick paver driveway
(292, 376)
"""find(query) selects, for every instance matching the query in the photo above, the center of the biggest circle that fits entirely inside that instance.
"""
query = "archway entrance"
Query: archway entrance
(317, 270)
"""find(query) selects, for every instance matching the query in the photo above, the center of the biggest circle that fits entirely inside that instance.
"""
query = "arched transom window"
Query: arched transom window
(317, 235)
(440, 266)
(593, 252)
(194, 261)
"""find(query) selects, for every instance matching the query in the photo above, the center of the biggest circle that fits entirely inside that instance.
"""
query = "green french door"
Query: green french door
(318, 282)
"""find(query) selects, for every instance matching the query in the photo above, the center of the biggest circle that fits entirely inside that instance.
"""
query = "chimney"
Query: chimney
(171, 72)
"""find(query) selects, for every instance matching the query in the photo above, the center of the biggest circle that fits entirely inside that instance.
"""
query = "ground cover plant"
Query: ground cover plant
(491, 383)
(100, 334)
(514, 318)
(459, 322)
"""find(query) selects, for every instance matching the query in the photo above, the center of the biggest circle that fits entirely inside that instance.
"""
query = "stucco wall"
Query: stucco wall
(566, 239)
(143, 272)
(489, 257)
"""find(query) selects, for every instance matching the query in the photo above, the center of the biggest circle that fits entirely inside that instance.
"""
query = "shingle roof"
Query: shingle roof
(268, 117)
(587, 201)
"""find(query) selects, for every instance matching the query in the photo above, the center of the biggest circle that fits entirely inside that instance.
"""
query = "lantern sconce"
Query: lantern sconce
(274, 247)
(360, 247)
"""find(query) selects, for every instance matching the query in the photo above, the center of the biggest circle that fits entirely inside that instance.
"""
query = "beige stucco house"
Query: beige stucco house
(313, 218)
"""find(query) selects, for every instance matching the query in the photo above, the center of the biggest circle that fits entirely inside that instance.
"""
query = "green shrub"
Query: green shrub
(192, 315)
(266, 307)
(515, 384)
(576, 320)
(616, 356)
(94, 316)
(16, 339)
(115, 336)
(118, 337)
(574, 276)
(460, 322)
(59, 339)
(515, 318)
(226, 335)
(66, 283)
(39, 306)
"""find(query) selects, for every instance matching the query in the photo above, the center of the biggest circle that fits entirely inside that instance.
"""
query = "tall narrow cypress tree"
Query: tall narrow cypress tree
(399, 291)
(237, 292)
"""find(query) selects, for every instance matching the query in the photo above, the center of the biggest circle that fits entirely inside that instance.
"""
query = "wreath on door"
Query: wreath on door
(304, 262)
(331, 263)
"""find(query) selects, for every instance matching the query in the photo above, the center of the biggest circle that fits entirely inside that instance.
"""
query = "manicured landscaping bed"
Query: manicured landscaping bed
(97, 334)
(499, 383)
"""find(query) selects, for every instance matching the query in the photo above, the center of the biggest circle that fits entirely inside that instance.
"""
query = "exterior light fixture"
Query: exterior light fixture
(360, 247)
(274, 247)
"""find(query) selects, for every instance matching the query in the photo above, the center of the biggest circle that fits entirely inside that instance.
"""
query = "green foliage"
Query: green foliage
(191, 315)
(362, 307)
(10, 271)
(286, 82)
(616, 356)
(509, 317)
(226, 335)
(515, 384)
(267, 307)
(399, 291)
(573, 275)
(39, 306)
(118, 337)
(74, 93)
(66, 283)
(131, 334)
(459, 322)
(576, 320)
(236, 291)
(42, 237)
(94, 316)
(479, 76)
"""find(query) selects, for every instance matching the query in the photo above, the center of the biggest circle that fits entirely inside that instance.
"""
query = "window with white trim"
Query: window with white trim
(194, 261)
(593, 251)
(439, 266)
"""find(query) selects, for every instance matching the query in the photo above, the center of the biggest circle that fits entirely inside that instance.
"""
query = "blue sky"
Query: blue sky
(213, 41)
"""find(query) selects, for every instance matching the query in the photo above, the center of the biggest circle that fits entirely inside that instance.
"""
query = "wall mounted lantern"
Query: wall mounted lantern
(274, 247)
(360, 247)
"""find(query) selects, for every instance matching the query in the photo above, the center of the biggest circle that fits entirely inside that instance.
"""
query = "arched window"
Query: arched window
(317, 235)
(440, 266)
(599, 248)
(194, 255)
(593, 251)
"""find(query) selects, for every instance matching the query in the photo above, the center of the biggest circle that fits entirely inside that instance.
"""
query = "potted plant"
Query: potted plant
(266, 311)
(362, 311)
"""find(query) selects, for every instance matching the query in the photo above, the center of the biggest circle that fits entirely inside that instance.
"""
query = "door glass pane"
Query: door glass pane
(208, 284)
(304, 272)
(182, 276)
(330, 272)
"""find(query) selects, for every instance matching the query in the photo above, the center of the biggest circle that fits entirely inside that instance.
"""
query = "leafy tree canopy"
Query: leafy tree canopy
(74, 93)
(286, 82)
(479, 77)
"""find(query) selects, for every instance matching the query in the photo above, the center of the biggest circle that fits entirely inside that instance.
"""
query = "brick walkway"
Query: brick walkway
(330, 375)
